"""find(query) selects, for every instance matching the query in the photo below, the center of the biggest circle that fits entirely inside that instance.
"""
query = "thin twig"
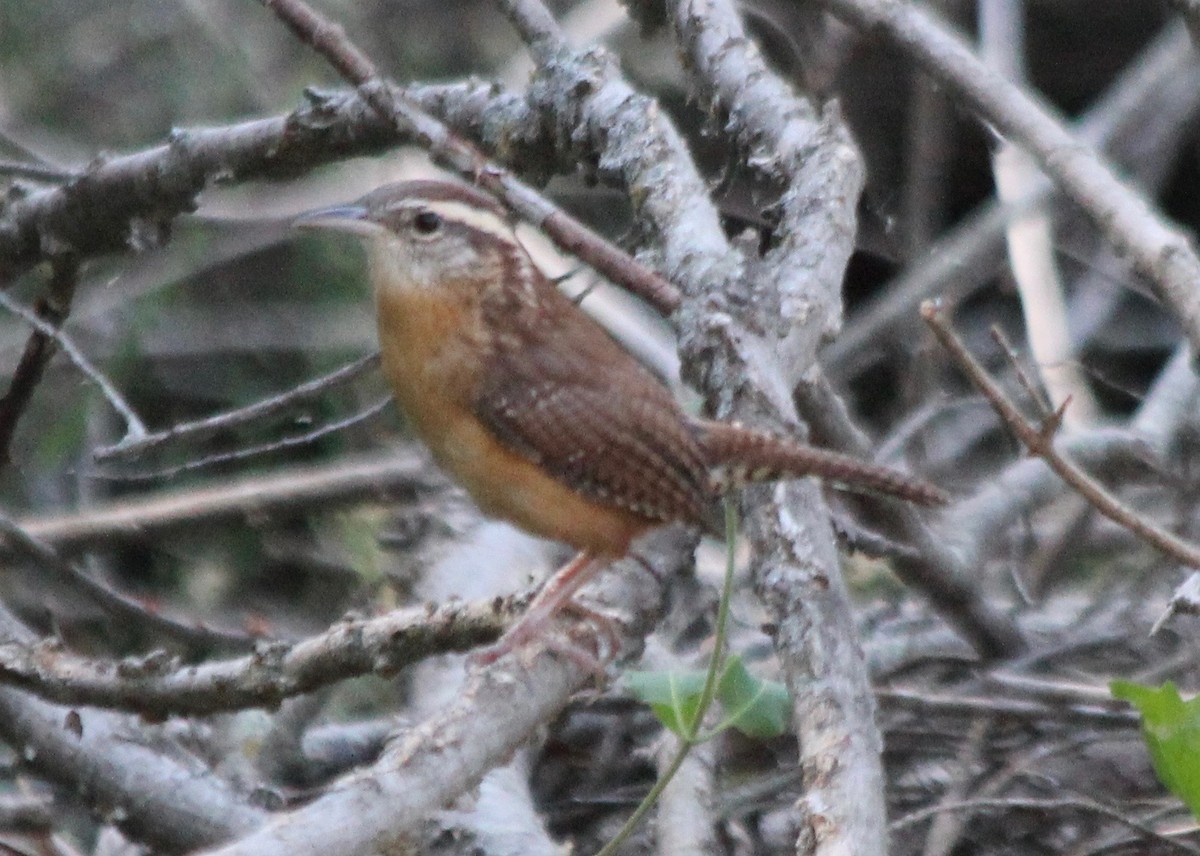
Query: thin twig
(52, 309)
(1031, 389)
(161, 686)
(330, 41)
(134, 427)
(1017, 708)
(1030, 239)
(351, 479)
(1043, 806)
(1040, 442)
(117, 605)
(252, 451)
(202, 429)
(37, 172)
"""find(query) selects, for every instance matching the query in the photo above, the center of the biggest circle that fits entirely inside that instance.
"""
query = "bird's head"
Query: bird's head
(427, 235)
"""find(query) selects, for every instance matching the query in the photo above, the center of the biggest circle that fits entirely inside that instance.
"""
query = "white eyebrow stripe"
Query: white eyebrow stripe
(473, 217)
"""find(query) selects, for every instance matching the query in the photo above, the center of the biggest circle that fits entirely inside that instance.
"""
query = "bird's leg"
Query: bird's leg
(555, 594)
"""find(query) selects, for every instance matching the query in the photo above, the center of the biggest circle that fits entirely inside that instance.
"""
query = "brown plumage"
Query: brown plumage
(529, 403)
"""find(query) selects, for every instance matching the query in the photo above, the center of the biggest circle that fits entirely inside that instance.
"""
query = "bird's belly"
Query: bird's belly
(507, 485)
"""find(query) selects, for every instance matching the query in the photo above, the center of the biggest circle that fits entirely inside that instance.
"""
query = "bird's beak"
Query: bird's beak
(341, 218)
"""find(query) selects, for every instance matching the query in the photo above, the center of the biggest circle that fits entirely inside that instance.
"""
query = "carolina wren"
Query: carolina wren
(528, 402)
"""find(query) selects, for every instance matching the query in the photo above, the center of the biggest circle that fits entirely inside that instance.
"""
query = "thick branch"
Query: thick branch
(433, 763)
(117, 765)
(159, 686)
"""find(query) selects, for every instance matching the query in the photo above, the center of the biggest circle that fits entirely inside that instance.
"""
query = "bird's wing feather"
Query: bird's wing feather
(571, 400)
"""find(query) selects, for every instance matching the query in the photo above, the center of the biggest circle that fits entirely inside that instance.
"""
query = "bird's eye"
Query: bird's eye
(427, 222)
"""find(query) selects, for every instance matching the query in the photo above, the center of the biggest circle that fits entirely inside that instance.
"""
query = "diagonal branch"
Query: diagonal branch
(39, 348)
(128, 201)
(195, 637)
(433, 763)
(329, 40)
(48, 329)
(1040, 442)
(1160, 250)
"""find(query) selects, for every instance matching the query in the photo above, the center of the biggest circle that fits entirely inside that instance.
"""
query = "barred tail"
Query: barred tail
(737, 455)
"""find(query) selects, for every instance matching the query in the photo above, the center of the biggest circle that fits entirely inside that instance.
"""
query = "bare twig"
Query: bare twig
(1066, 692)
(1043, 806)
(117, 605)
(352, 479)
(1169, 407)
(1030, 236)
(1040, 442)
(160, 686)
(122, 202)
(134, 427)
(52, 310)
(1025, 709)
(202, 429)
(1044, 408)
(289, 442)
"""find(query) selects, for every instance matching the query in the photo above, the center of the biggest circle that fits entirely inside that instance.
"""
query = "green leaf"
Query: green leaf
(673, 696)
(755, 707)
(1171, 728)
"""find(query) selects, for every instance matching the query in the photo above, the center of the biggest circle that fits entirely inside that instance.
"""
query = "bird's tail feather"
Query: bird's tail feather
(737, 456)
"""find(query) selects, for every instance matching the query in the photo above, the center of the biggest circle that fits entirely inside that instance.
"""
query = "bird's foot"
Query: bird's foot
(590, 643)
(603, 638)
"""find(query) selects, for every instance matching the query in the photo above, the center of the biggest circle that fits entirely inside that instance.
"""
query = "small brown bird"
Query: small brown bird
(530, 404)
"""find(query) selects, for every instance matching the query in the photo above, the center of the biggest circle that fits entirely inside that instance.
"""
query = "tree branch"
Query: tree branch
(158, 686)
(1161, 251)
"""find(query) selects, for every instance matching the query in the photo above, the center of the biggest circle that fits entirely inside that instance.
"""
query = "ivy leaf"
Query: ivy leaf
(673, 696)
(755, 707)
(1171, 729)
